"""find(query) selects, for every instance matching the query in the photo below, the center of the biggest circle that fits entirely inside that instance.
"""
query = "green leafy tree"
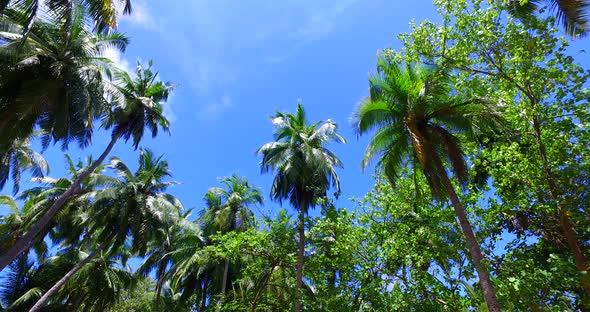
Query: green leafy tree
(540, 175)
(415, 116)
(139, 106)
(333, 239)
(304, 168)
(267, 254)
(411, 254)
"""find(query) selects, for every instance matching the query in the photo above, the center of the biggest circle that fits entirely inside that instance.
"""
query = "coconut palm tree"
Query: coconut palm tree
(193, 271)
(132, 207)
(413, 115)
(17, 281)
(571, 14)
(13, 225)
(94, 288)
(229, 210)
(139, 106)
(159, 258)
(304, 168)
(98, 284)
(103, 12)
(20, 157)
(36, 201)
(52, 81)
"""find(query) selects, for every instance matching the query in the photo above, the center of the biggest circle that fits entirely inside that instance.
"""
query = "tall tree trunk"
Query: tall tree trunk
(28, 239)
(568, 230)
(301, 228)
(161, 272)
(43, 300)
(476, 255)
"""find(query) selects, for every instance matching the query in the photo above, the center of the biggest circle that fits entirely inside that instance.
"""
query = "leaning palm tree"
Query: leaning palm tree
(139, 106)
(231, 212)
(35, 201)
(20, 157)
(571, 14)
(413, 115)
(98, 285)
(304, 168)
(53, 79)
(131, 208)
(14, 224)
(94, 288)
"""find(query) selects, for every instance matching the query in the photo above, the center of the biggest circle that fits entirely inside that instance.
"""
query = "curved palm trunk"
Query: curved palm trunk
(28, 239)
(161, 272)
(301, 228)
(474, 250)
(43, 300)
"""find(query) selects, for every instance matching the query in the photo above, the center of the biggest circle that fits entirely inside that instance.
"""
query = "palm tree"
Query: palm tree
(94, 288)
(20, 157)
(103, 12)
(160, 251)
(16, 282)
(52, 80)
(193, 270)
(414, 116)
(229, 210)
(134, 206)
(13, 225)
(36, 201)
(571, 14)
(139, 106)
(304, 168)
(98, 284)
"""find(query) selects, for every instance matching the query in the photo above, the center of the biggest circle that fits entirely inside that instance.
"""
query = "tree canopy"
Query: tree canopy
(478, 126)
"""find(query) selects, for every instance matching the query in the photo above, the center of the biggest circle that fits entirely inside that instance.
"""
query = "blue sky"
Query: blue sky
(237, 62)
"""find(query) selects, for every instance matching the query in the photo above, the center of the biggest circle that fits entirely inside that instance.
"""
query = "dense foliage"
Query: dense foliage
(480, 130)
